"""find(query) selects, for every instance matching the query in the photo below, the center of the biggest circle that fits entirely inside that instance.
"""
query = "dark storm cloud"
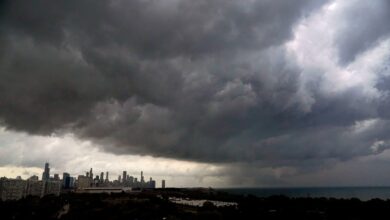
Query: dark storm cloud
(196, 80)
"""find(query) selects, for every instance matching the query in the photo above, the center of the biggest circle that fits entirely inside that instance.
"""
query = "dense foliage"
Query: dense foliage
(155, 205)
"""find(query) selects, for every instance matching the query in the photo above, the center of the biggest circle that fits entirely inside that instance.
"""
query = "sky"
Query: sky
(218, 93)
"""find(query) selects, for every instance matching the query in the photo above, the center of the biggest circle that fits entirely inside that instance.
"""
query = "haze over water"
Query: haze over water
(362, 193)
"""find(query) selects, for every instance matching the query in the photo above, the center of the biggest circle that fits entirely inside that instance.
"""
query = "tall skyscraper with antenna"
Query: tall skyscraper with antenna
(46, 172)
(90, 174)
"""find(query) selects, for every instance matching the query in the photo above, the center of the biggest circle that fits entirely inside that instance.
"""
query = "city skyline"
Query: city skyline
(18, 188)
(103, 176)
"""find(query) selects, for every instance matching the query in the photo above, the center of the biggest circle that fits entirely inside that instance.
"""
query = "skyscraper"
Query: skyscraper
(131, 181)
(102, 177)
(64, 175)
(142, 177)
(163, 184)
(65, 180)
(90, 174)
(151, 184)
(46, 172)
(106, 176)
(124, 176)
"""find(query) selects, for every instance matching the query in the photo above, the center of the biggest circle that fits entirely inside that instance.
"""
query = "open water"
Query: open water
(362, 193)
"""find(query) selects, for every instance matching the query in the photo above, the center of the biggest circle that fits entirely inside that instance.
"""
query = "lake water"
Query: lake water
(362, 193)
(198, 202)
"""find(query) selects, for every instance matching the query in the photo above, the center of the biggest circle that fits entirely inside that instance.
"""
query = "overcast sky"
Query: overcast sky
(200, 93)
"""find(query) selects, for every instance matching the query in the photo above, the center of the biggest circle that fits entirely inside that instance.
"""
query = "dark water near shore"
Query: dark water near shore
(362, 193)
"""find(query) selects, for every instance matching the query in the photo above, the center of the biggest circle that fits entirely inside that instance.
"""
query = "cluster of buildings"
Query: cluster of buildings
(14, 189)
(89, 180)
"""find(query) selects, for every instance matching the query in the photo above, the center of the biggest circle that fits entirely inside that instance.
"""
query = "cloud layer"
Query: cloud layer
(279, 84)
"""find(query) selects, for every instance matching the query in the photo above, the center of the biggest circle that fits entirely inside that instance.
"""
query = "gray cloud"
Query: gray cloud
(357, 33)
(197, 80)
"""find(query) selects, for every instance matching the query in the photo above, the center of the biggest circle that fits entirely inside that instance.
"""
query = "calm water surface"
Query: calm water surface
(363, 193)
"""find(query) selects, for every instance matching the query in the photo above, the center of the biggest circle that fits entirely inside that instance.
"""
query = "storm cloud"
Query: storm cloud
(275, 83)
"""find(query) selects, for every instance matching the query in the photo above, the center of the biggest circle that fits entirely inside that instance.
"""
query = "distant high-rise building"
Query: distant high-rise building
(131, 180)
(83, 182)
(46, 173)
(102, 177)
(56, 176)
(163, 184)
(64, 176)
(90, 174)
(35, 187)
(119, 178)
(66, 181)
(152, 184)
(124, 176)
(71, 181)
(106, 176)
(12, 189)
(142, 177)
(52, 188)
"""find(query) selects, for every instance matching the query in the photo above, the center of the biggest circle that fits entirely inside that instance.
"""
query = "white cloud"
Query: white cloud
(24, 155)
(317, 53)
